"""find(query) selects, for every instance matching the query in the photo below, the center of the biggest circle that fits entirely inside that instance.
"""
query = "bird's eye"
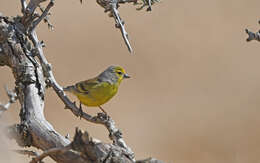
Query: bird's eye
(119, 72)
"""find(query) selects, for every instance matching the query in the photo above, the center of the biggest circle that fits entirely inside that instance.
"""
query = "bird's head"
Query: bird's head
(114, 74)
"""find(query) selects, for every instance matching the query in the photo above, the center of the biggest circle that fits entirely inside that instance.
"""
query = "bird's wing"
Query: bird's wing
(85, 86)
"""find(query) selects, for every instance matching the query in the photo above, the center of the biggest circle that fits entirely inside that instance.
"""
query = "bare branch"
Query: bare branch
(12, 98)
(46, 19)
(149, 160)
(120, 24)
(29, 13)
(24, 5)
(43, 15)
(33, 4)
(148, 3)
(113, 5)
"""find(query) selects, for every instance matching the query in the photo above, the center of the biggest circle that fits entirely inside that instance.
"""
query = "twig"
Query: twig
(46, 19)
(127, 1)
(148, 3)
(120, 24)
(33, 4)
(12, 98)
(149, 160)
(113, 5)
(23, 3)
(43, 15)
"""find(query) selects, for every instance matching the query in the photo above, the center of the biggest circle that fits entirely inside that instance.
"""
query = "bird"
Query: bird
(97, 91)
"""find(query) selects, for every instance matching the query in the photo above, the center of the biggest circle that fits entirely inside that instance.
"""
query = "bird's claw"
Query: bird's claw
(80, 111)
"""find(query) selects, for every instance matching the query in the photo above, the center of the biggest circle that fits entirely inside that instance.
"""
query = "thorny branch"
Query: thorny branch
(43, 15)
(113, 5)
(46, 19)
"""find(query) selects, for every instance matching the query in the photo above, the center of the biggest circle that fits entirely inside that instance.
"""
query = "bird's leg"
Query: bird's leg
(80, 110)
(102, 110)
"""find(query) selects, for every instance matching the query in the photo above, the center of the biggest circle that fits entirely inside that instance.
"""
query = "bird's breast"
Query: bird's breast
(99, 95)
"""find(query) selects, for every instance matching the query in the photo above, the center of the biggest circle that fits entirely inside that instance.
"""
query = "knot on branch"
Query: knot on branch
(21, 134)
(26, 74)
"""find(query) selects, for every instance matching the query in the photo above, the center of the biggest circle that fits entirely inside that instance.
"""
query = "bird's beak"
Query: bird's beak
(126, 76)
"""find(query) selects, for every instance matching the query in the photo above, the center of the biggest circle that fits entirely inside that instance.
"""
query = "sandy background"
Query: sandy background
(194, 95)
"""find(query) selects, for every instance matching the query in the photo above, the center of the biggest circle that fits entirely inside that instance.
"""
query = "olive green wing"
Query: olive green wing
(85, 87)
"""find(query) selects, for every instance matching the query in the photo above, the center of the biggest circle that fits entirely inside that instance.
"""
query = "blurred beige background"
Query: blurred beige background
(194, 95)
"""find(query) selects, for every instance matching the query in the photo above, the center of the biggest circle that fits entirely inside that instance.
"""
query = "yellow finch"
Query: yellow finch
(99, 90)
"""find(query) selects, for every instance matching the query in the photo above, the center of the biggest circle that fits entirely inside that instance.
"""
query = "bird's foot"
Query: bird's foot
(80, 110)
(102, 116)
(102, 110)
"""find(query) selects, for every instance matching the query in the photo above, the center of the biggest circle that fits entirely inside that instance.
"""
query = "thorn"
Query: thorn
(117, 25)
(67, 136)
(42, 43)
(80, 111)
